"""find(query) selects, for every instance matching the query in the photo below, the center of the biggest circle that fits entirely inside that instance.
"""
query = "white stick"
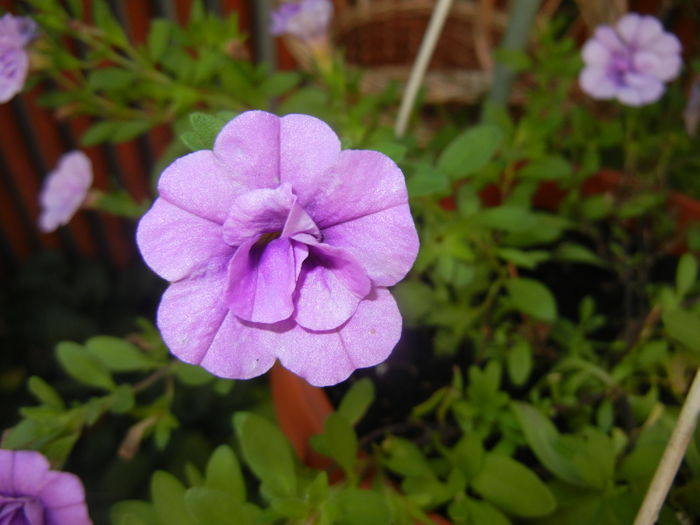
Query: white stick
(432, 34)
(673, 455)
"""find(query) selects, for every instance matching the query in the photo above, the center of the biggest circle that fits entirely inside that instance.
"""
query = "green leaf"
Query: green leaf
(212, 507)
(475, 512)
(83, 366)
(513, 487)
(686, 274)
(267, 453)
(118, 355)
(205, 128)
(158, 38)
(129, 130)
(109, 79)
(357, 400)
(532, 298)
(519, 361)
(468, 455)
(168, 496)
(572, 252)
(99, 132)
(405, 458)
(280, 83)
(507, 218)
(470, 151)
(224, 473)
(547, 168)
(684, 327)
(191, 375)
(105, 20)
(340, 441)
(415, 300)
(133, 512)
(426, 180)
(362, 507)
(122, 399)
(45, 393)
(524, 259)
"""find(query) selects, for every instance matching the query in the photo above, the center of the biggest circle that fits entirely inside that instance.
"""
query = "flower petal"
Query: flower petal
(309, 148)
(250, 147)
(190, 314)
(628, 27)
(385, 243)
(594, 53)
(666, 44)
(200, 184)
(326, 358)
(71, 515)
(177, 244)
(607, 36)
(331, 285)
(640, 90)
(662, 67)
(257, 212)
(261, 280)
(362, 182)
(30, 472)
(14, 65)
(61, 489)
(595, 82)
(648, 30)
(237, 351)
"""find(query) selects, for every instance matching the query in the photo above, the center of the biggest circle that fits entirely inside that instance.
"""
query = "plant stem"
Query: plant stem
(672, 457)
(432, 34)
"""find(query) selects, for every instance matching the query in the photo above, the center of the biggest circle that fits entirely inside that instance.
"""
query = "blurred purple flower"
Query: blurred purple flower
(64, 190)
(15, 33)
(306, 19)
(279, 245)
(630, 62)
(31, 494)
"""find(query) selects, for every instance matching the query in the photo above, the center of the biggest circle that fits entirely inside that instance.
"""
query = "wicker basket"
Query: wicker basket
(383, 37)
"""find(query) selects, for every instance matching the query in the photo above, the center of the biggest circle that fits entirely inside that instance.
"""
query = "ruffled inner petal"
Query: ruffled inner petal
(261, 280)
(331, 285)
(258, 212)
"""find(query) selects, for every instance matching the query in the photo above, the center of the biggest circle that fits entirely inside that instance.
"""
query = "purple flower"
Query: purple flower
(31, 494)
(630, 62)
(306, 19)
(15, 33)
(279, 245)
(64, 190)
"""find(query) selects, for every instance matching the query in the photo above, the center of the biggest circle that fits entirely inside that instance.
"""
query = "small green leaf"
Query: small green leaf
(133, 512)
(191, 375)
(83, 366)
(117, 354)
(212, 507)
(532, 298)
(522, 258)
(168, 496)
(129, 130)
(45, 393)
(426, 180)
(122, 399)
(547, 168)
(109, 79)
(280, 83)
(468, 455)
(267, 453)
(572, 252)
(158, 38)
(684, 327)
(513, 487)
(357, 400)
(224, 473)
(475, 512)
(519, 361)
(470, 151)
(362, 507)
(340, 441)
(99, 132)
(686, 274)
(507, 218)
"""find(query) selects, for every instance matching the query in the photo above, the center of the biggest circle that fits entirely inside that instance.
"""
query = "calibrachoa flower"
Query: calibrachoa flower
(15, 33)
(630, 62)
(64, 190)
(31, 494)
(306, 19)
(279, 245)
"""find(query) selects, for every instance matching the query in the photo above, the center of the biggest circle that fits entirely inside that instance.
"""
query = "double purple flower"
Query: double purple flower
(64, 190)
(630, 62)
(31, 494)
(15, 33)
(306, 19)
(279, 245)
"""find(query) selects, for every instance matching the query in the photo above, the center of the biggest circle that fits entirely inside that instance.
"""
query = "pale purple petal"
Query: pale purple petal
(385, 243)
(326, 358)
(30, 471)
(190, 314)
(200, 184)
(666, 44)
(61, 489)
(17, 29)
(261, 281)
(648, 30)
(594, 53)
(607, 36)
(64, 190)
(361, 183)
(640, 90)
(14, 66)
(299, 224)
(628, 26)
(596, 82)
(249, 145)
(70, 515)
(306, 19)
(258, 212)
(178, 244)
(237, 351)
(309, 149)
(330, 288)
(663, 68)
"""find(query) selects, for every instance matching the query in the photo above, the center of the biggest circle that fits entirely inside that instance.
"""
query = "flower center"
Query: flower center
(21, 510)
